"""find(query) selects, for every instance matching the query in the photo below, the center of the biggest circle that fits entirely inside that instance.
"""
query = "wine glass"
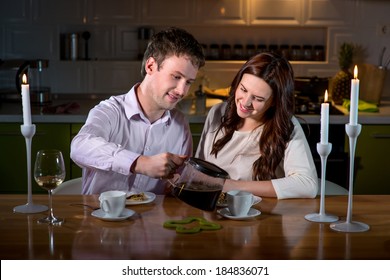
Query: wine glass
(49, 172)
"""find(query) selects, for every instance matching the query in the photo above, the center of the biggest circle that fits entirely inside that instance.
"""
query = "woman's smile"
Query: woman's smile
(245, 109)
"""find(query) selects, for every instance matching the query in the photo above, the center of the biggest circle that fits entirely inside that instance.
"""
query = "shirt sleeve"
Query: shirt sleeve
(300, 176)
(91, 148)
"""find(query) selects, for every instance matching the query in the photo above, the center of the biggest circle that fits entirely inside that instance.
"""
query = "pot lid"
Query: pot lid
(208, 168)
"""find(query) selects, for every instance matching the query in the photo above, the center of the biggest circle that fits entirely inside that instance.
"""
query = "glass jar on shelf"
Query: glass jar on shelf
(319, 53)
(213, 52)
(296, 53)
(226, 52)
(250, 50)
(285, 51)
(262, 48)
(307, 52)
(273, 48)
(238, 52)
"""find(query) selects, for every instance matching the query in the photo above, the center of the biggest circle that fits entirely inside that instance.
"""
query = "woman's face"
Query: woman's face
(253, 97)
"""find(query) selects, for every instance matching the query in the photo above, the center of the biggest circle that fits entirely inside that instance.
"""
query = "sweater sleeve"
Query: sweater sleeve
(300, 176)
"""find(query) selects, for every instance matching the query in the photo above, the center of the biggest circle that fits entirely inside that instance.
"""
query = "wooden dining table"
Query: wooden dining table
(281, 232)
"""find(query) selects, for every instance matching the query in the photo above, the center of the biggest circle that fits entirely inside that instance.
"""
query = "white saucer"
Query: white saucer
(226, 213)
(149, 198)
(257, 199)
(127, 213)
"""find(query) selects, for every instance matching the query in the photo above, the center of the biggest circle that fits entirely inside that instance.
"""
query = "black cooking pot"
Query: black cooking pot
(311, 87)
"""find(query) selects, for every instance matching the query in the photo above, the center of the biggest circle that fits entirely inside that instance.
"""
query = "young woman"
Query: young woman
(255, 137)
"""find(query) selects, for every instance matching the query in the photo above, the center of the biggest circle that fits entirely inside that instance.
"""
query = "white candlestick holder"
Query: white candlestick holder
(28, 131)
(353, 132)
(324, 151)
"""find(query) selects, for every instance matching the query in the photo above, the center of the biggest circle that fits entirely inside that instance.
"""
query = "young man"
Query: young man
(132, 141)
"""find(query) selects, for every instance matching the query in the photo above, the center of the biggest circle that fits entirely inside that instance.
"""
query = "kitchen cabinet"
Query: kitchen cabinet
(326, 12)
(69, 12)
(107, 21)
(372, 160)
(13, 165)
(179, 12)
(300, 12)
(98, 77)
(17, 11)
(29, 41)
(43, 25)
(85, 11)
(113, 11)
(276, 12)
(168, 12)
(233, 12)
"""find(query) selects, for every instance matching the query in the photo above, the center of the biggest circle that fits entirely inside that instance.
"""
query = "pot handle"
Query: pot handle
(173, 182)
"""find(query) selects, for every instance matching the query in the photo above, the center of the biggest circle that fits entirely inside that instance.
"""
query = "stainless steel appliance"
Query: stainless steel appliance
(11, 73)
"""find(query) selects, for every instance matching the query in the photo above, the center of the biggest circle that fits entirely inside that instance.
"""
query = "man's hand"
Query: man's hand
(158, 166)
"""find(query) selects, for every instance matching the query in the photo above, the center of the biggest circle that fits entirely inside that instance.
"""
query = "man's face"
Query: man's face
(171, 81)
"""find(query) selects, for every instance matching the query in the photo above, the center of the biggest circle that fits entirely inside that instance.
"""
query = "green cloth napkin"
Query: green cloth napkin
(363, 106)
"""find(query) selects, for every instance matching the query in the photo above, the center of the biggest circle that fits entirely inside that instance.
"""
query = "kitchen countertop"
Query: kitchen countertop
(381, 117)
(11, 111)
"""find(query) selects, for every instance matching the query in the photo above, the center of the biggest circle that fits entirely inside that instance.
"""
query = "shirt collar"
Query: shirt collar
(133, 108)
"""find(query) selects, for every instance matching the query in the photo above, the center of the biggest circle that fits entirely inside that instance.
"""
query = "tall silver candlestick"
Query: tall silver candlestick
(323, 150)
(28, 131)
(353, 132)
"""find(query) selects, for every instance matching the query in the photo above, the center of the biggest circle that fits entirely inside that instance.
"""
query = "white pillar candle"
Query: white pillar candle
(26, 101)
(324, 120)
(353, 109)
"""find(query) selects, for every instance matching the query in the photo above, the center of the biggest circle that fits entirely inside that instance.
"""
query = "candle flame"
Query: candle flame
(24, 79)
(355, 72)
(326, 96)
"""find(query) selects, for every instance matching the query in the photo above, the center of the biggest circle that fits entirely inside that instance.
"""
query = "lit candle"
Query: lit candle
(324, 120)
(353, 109)
(26, 101)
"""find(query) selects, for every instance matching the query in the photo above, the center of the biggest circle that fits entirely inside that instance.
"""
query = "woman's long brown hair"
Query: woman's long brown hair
(277, 72)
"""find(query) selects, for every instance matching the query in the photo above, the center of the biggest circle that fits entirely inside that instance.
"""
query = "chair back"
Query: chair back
(332, 188)
(73, 186)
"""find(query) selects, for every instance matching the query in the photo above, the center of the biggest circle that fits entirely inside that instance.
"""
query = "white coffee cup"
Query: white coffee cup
(239, 202)
(113, 203)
